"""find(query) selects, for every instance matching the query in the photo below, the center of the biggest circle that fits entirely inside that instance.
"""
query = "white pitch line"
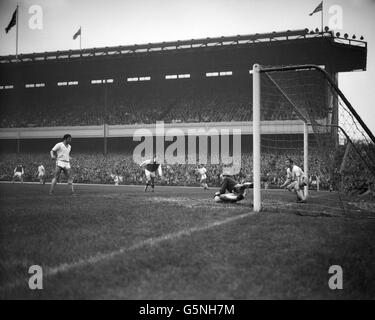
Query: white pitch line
(126, 185)
(100, 257)
(104, 185)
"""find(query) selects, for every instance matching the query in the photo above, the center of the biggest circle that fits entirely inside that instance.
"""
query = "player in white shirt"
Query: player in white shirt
(151, 166)
(295, 180)
(41, 174)
(117, 179)
(202, 171)
(61, 153)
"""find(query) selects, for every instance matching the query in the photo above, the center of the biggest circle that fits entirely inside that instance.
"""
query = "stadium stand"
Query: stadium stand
(207, 100)
(197, 98)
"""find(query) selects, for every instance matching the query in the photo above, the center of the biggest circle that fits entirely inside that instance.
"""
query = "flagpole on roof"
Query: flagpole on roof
(322, 16)
(17, 33)
(317, 9)
(80, 38)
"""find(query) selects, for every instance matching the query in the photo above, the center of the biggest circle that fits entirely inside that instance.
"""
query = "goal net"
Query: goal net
(304, 116)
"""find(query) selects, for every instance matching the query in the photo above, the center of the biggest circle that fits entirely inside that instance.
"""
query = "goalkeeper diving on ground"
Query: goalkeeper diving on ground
(230, 190)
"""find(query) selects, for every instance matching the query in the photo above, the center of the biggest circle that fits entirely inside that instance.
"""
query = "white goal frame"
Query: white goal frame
(257, 199)
(359, 123)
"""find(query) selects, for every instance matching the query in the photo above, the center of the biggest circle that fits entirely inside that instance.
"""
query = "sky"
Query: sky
(124, 22)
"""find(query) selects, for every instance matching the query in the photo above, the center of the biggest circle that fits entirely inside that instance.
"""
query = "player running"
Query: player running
(41, 174)
(236, 191)
(295, 180)
(61, 153)
(151, 166)
(202, 171)
(18, 173)
(117, 179)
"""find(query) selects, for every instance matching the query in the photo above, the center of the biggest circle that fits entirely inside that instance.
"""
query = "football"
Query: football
(217, 197)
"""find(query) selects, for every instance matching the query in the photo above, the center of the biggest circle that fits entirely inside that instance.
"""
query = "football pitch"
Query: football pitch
(111, 242)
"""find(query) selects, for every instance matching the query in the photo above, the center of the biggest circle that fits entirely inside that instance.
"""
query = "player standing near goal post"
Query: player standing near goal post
(151, 166)
(61, 153)
(295, 180)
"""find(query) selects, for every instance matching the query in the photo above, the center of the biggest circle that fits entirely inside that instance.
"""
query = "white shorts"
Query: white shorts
(149, 174)
(296, 186)
(18, 174)
(40, 176)
(63, 164)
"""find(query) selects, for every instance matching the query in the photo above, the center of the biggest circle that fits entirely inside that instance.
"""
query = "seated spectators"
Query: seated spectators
(208, 100)
(98, 168)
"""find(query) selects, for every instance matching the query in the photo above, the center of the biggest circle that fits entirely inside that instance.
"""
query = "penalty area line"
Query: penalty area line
(102, 257)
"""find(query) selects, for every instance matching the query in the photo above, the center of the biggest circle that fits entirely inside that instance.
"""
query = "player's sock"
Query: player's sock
(248, 185)
(300, 197)
(240, 197)
(53, 183)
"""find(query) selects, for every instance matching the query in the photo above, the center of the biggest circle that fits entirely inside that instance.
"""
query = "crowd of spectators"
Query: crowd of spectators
(98, 168)
(137, 103)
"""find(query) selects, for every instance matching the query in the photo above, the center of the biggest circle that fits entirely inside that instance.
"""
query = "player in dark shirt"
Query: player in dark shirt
(236, 191)
(151, 167)
(18, 173)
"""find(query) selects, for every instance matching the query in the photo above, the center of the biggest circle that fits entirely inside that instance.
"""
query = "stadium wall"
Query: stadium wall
(127, 145)
(121, 138)
(114, 131)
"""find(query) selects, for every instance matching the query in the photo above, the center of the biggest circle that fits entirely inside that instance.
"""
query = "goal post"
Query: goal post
(300, 113)
(257, 141)
(306, 155)
(256, 138)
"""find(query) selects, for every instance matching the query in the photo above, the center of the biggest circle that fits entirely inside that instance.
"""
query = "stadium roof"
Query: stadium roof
(182, 44)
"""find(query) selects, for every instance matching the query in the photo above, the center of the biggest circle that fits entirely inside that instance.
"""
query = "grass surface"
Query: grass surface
(121, 243)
